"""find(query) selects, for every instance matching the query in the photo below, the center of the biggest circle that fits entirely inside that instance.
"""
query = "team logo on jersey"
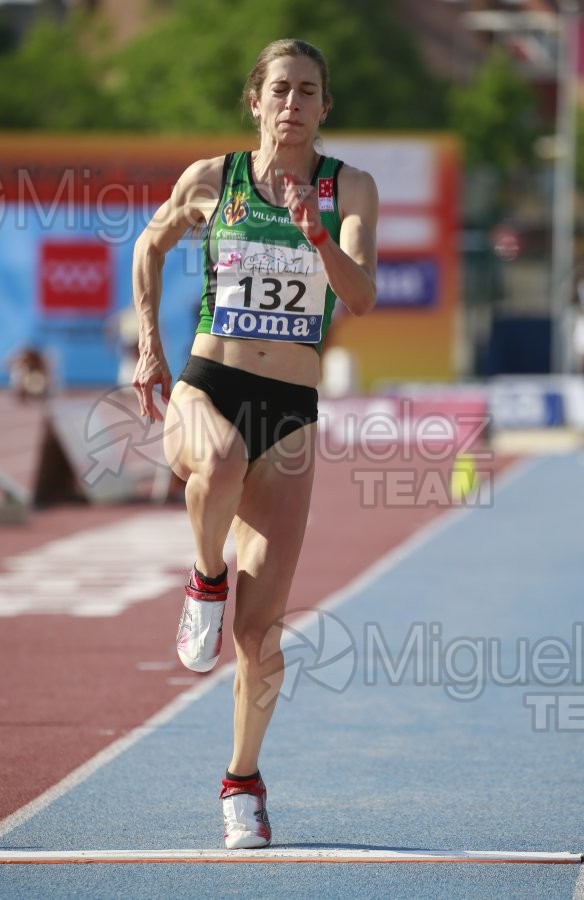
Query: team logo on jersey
(326, 190)
(236, 209)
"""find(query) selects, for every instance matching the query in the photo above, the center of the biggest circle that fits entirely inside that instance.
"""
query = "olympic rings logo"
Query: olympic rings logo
(79, 276)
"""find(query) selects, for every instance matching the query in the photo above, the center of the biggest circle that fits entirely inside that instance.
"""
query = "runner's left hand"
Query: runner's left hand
(302, 202)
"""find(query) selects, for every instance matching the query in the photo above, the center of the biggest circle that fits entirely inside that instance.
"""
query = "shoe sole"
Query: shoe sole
(196, 665)
(250, 842)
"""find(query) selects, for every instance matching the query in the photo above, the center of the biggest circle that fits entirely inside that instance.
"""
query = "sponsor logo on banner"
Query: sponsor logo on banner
(236, 209)
(75, 276)
(526, 403)
(326, 201)
(412, 284)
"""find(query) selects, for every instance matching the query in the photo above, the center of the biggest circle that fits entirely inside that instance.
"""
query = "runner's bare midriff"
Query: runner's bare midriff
(290, 362)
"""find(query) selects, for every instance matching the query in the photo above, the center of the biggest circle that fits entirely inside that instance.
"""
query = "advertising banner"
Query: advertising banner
(71, 208)
(411, 333)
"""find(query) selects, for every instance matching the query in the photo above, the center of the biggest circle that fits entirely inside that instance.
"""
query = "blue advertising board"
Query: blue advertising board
(411, 283)
(65, 278)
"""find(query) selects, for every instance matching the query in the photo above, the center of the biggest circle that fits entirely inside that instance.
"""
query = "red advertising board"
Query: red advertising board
(75, 276)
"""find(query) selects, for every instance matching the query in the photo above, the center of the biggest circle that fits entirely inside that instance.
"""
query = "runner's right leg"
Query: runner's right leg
(206, 451)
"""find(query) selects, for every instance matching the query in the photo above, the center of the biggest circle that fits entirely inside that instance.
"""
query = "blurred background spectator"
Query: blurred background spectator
(29, 373)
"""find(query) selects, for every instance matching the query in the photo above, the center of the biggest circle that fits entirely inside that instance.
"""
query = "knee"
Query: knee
(258, 646)
(173, 449)
(215, 476)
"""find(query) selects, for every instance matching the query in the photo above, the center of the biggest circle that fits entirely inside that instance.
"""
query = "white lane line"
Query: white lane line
(156, 666)
(274, 855)
(381, 566)
(102, 571)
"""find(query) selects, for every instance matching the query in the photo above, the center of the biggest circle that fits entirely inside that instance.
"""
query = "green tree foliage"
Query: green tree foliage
(496, 115)
(50, 83)
(186, 75)
(378, 78)
(189, 76)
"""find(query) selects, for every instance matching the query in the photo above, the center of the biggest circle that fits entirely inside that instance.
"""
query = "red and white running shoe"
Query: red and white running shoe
(245, 815)
(199, 636)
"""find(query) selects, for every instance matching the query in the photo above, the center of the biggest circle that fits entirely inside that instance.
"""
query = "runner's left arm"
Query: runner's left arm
(350, 265)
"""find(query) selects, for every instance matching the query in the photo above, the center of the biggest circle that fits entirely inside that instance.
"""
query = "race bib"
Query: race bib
(269, 292)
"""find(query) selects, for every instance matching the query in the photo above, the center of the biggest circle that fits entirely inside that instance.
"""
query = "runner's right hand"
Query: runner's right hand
(151, 369)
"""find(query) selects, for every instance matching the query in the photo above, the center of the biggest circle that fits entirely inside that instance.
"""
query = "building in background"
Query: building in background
(126, 18)
(17, 16)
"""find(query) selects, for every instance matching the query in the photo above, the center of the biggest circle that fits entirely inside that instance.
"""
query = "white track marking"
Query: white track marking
(276, 855)
(157, 666)
(384, 565)
(102, 571)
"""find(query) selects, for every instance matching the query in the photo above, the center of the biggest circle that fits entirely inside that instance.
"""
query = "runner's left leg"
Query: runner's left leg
(269, 530)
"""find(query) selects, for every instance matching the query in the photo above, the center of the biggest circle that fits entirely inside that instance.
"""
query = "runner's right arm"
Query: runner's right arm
(190, 205)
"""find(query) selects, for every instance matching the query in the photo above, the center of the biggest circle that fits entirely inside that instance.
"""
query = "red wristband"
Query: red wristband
(319, 238)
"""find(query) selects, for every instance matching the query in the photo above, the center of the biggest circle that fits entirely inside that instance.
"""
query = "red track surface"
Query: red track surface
(70, 686)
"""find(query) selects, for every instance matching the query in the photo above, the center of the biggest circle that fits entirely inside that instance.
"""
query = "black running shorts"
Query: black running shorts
(264, 410)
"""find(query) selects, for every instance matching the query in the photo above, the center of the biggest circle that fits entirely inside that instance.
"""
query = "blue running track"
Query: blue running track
(373, 744)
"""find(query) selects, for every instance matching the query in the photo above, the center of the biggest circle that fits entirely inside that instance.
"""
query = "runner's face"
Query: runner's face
(290, 105)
